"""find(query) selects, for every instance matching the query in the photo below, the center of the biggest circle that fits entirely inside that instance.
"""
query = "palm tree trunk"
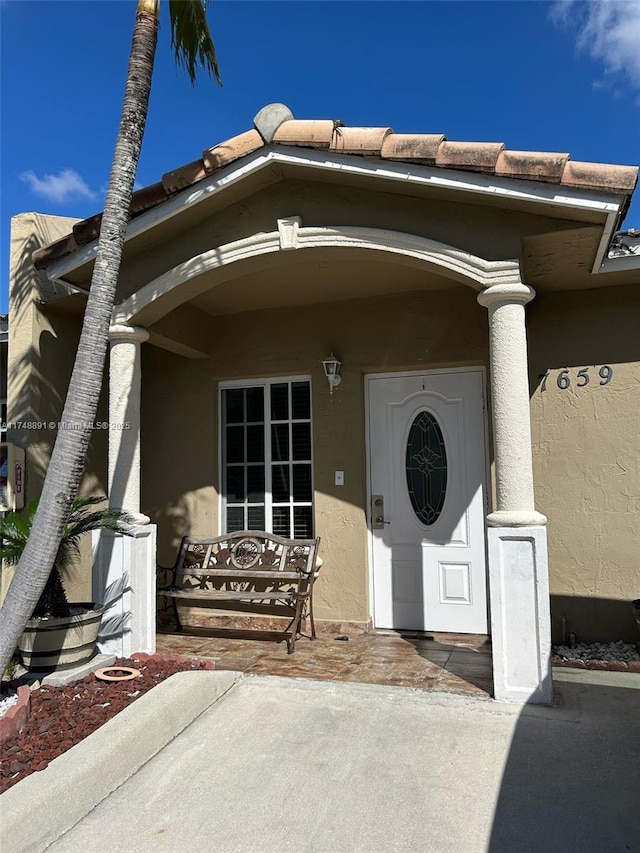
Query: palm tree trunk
(67, 460)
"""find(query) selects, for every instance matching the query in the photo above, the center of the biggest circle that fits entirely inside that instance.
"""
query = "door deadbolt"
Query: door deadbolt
(378, 520)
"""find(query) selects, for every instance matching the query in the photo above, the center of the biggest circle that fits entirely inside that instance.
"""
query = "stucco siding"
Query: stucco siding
(42, 347)
(586, 446)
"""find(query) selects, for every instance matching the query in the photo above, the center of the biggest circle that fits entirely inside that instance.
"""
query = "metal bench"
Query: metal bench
(248, 570)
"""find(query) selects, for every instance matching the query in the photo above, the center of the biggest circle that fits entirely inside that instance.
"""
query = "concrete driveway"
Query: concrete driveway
(275, 764)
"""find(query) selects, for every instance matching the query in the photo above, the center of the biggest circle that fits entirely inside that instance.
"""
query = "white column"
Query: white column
(517, 536)
(124, 566)
(510, 405)
(124, 418)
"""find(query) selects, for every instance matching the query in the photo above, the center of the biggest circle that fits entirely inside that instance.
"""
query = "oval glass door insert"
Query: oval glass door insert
(426, 467)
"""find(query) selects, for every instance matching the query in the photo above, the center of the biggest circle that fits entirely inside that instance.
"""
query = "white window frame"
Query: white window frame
(269, 504)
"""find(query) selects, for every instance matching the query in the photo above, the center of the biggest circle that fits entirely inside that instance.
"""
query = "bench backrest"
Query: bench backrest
(247, 550)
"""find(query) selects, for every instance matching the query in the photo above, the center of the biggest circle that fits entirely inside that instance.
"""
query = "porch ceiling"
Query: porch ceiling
(313, 276)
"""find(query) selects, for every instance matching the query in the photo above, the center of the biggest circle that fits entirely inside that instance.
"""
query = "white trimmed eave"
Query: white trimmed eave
(549, 195)
(160, 296)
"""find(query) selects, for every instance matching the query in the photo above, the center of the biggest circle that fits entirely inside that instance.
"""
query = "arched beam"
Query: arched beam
(184, 281)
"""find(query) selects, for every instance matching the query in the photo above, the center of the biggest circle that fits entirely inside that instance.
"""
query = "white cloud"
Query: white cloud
(608, 30)
(66, 186)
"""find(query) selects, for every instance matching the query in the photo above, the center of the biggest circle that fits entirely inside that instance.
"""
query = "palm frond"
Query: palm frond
(191, 38)
(32, 506)
(15, 528)
(87, 500)
(81, 521)
(14, 532)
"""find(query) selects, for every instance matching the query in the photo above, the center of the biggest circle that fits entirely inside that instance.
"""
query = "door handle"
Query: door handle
(378, 520)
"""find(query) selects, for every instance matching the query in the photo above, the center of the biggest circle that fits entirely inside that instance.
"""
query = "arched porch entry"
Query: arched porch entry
(514, 533)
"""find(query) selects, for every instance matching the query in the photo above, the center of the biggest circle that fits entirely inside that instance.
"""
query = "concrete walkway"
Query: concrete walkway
(278, 764)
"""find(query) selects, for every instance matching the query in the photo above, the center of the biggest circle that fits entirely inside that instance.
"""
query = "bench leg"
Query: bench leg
(311, 622)
(175, 615)
(295, 626)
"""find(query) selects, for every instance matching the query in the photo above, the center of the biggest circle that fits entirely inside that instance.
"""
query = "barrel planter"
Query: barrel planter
(61, 642)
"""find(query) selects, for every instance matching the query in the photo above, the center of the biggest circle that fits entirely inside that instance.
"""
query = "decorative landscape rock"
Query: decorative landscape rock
(62, 716)
(610, 657)
(15, 717)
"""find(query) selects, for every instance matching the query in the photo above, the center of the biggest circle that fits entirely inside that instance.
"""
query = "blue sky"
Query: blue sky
(534, 75)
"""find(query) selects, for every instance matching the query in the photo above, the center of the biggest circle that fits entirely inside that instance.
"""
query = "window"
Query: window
(267, 466)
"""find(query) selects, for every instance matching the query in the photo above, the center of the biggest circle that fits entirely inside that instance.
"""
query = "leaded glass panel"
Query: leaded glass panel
(426, 468)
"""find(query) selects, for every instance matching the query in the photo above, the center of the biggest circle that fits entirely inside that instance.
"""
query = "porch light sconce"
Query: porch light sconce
(332, 367)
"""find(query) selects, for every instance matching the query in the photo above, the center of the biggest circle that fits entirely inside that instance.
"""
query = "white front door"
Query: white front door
(427, 501)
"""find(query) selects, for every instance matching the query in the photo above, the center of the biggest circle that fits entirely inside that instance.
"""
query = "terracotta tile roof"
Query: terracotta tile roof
(275, 125)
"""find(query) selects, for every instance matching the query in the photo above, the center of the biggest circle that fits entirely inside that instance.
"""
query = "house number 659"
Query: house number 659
(581, 378)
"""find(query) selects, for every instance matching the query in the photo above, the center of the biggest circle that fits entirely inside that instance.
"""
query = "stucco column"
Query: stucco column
(516, 533)
(124, 566)
(124, 418)
(510, 405)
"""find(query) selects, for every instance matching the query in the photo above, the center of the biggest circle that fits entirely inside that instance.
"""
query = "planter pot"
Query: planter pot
(58, 643)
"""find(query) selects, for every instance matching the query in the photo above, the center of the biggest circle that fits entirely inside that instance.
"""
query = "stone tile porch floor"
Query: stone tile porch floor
(447, 663)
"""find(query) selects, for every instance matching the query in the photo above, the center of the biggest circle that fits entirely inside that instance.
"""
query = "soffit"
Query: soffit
(312, 276)
(563, 260)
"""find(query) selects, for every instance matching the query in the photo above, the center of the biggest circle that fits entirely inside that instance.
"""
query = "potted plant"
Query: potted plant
(61, 633)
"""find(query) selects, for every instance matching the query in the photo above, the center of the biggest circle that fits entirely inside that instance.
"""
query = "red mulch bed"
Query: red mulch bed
(62, 716)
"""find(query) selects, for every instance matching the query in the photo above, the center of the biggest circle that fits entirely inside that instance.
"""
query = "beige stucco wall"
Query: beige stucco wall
(180, 419)
(3, 369)
(586, 445)
(42, 346)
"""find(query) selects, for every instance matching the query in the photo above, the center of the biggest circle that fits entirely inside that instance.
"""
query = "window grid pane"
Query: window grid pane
(269, 425)
(255, 518)
(281, 524)
(235, 518)
(303, 522)
(300, 401)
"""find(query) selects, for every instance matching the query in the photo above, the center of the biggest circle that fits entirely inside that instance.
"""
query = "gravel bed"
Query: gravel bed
(620, 656)
(62, 716)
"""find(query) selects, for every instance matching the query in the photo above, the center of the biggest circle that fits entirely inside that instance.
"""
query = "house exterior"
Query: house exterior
(4, 347)
(477, 468)
(4, 342)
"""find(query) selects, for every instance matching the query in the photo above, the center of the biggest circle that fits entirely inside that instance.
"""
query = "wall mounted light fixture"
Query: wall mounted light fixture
(332, 367)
